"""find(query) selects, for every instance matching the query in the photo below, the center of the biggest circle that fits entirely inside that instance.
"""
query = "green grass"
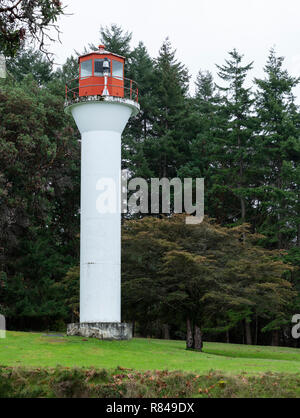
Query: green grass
(48, 365)
(62, 382)
(41, 350)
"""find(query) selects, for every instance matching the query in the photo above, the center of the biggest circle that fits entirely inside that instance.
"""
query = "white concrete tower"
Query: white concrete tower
(101, 105)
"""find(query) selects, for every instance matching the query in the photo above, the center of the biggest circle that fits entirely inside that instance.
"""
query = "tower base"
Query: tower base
(101, 330)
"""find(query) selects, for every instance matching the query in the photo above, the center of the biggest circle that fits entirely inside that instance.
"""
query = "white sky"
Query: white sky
(202, 31)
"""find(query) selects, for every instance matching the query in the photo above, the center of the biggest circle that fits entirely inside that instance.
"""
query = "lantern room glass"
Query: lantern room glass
(117, 69)
(86, 69)
(98, 67)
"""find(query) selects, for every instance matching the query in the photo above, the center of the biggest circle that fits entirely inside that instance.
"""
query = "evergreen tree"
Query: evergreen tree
(204, 124)
(116, 40)
(139, 128)
(201, 274)
(205, 86)
(31, 62)
(39, 187)
(278, 153)
(168, 148)
(69, 70)
(232, 157)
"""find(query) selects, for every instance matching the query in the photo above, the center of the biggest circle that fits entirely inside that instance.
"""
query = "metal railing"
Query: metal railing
(129, 89)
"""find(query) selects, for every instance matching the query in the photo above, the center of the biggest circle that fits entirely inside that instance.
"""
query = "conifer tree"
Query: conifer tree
(116, 40)
(278, 154)
(139, 128)
(232, 157)
(168, 148)
(201, 274)
(31, 62)
(204, 124)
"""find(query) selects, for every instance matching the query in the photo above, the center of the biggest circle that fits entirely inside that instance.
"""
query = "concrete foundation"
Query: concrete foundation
(101, 330)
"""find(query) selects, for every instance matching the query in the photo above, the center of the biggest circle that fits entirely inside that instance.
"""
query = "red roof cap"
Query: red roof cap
(100, 51)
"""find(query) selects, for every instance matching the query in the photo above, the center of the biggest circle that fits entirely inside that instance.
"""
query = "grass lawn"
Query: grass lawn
(53, 365)
(42, 350)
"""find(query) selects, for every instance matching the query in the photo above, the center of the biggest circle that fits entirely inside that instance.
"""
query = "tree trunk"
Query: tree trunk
(165, 166)
(166, 332)
(145, 128)
(256, 329)
(240, 181)
(198, 344)
(279, 185)
(275, 338)
(133, 328)
(227, 337)
(248, 333)
(243, 209)
(189, 334)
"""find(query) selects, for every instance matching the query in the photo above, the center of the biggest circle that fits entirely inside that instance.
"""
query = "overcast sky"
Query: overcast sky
(202, 31)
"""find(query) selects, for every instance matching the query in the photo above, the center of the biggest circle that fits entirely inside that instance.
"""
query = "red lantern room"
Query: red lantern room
(101, 73)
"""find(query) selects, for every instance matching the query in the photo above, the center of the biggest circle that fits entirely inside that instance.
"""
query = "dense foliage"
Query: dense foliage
(228, 278)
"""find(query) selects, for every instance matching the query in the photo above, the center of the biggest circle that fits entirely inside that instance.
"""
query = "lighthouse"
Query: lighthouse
(101, 102)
